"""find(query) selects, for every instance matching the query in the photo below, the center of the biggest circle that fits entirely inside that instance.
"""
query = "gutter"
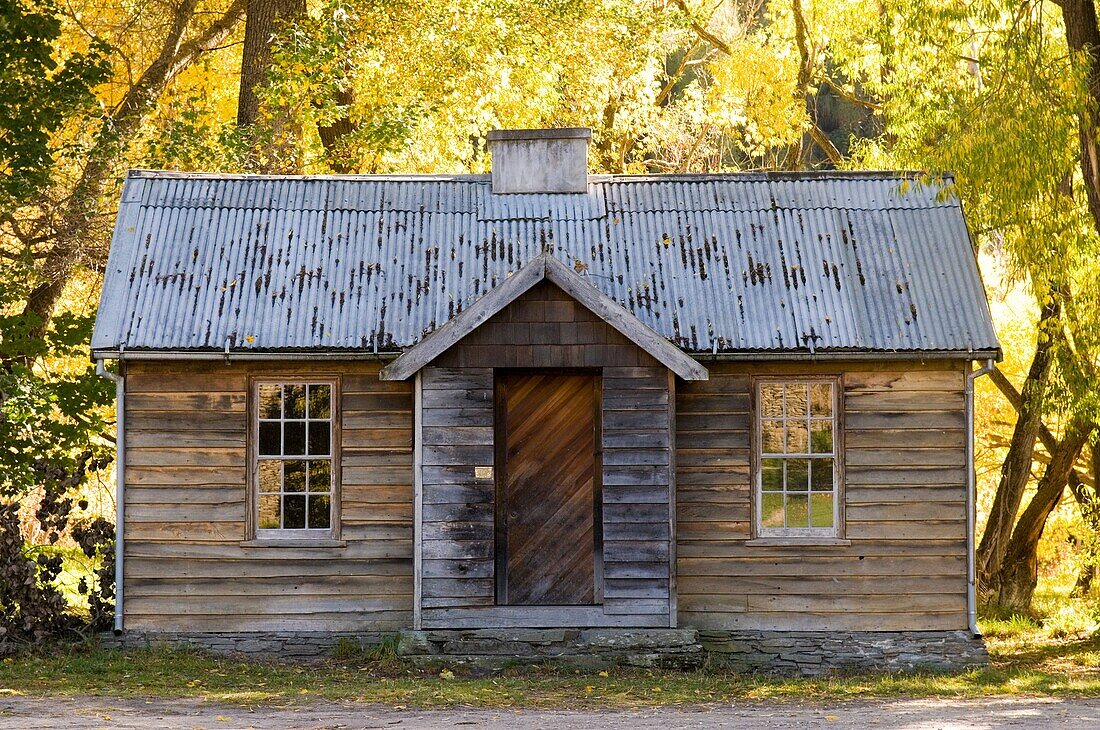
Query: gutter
(746, 356)
(811, 355)
(120, 481)
(226, 355)
(971, 501)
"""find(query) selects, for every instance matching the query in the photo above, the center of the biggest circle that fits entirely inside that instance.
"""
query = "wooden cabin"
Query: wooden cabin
(735, 409)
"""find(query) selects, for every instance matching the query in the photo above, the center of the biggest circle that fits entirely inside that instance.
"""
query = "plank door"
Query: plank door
(548, 531)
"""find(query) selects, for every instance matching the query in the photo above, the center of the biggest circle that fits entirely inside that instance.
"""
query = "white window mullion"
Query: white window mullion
(314, 519)
(787, 507)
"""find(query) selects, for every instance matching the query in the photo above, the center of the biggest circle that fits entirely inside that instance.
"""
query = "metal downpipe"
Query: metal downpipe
(120, 481)
(971, 501)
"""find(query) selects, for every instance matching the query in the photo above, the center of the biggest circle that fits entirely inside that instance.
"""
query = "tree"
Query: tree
(275, 148)
(50, 420)
(64, 145)
(977, 88)
(65, 219)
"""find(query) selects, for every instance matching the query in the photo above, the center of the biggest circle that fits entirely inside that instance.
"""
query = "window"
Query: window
(295, 479)
(797, 473)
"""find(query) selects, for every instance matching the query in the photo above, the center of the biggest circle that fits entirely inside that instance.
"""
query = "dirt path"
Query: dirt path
(23, 713)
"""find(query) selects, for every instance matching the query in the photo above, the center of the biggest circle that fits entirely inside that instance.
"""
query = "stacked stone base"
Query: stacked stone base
(812, 653)
(779, 653)
(495, 649)
(293, 645)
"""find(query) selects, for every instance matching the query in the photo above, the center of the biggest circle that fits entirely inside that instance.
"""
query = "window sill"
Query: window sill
(797, 542)
(298, 542)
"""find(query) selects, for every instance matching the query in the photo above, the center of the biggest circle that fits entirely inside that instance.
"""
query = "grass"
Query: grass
(1026, 661)
(1058, 655)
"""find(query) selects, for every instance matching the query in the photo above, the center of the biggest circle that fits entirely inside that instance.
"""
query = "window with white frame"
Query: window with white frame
(294, 459)
(797, 470)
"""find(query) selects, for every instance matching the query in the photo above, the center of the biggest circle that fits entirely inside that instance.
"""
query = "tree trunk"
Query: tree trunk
(332, 134)
(1089, 503)
(1017, 465)
(1083, 38)
(264, 19)
(78, 217)
(1013, 585)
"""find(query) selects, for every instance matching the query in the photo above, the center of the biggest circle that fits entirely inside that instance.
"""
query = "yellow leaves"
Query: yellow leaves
(446, 674)
(753, 94)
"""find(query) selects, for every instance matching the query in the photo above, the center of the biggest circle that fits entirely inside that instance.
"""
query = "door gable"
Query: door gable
(544, 268)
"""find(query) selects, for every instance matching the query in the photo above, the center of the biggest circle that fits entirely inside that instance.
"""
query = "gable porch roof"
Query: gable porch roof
(544, 267)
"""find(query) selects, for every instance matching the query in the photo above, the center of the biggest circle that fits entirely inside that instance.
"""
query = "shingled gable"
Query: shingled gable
(543, 267)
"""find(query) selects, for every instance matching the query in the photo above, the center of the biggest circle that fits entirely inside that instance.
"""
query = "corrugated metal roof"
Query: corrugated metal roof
(731, 263)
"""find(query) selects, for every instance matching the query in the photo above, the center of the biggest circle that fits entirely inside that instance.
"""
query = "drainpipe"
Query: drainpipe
(120, 480)
(971, 501)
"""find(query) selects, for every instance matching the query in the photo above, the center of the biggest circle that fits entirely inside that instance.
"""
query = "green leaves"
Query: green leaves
(53, 410)
(37, 93)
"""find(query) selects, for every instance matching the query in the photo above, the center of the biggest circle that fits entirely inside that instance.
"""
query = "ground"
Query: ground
(1041, 676)
(24, 713)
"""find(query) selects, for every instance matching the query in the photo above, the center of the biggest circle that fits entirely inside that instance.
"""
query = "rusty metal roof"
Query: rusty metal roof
(756, 263)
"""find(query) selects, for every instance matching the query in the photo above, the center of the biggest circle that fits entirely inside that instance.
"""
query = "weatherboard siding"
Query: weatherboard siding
(904, 437)
(545, 328)
(905, 475)
(186, 499)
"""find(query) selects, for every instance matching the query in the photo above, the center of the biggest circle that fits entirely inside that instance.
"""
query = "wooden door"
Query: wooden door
(548, 549)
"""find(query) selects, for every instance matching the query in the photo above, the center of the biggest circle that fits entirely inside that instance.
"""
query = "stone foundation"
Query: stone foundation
(580, 648)
(816, 653)
(747, 652)
(300, 645)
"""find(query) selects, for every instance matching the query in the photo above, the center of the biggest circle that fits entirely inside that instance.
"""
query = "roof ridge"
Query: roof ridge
(592, 177)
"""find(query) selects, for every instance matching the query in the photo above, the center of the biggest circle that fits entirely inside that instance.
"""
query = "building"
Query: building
(732, 410)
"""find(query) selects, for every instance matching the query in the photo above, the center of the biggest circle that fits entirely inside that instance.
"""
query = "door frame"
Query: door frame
(500, 466)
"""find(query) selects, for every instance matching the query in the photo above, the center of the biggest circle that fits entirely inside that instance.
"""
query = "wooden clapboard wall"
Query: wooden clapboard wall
(456, 502)
(904, 494)
(544, 328)
(186, 569)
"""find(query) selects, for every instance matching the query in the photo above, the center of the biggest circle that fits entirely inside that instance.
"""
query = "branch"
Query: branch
(847, 95)
(686, 164)
(675, 75)
(803, 46)
(673, 78)
(701, 31)
(1048, 439)
(822, 141)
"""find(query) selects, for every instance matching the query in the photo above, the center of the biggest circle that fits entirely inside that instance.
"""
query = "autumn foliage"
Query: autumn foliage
(1004, 93)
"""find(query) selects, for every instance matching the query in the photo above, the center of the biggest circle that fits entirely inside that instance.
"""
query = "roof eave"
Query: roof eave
(269, 355)
(835, 355)
(741, 356)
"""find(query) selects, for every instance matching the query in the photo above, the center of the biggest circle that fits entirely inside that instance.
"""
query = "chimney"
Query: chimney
(540, 160)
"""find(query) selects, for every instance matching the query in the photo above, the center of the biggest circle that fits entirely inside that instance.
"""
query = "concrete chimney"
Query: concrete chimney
(540, 160)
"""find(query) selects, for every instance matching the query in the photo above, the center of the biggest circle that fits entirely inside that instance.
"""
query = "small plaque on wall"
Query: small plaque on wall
(483, 472)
